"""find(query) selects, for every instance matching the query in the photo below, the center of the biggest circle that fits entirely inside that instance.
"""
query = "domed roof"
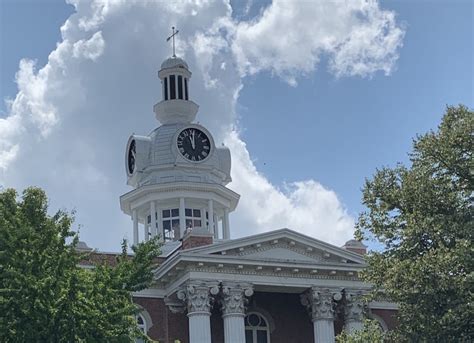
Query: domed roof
(174, 62)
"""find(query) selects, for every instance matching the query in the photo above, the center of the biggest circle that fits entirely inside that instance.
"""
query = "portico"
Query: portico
(234, 282)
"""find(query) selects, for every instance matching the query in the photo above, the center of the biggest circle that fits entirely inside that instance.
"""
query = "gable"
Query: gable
(283, 246)
(279, 253)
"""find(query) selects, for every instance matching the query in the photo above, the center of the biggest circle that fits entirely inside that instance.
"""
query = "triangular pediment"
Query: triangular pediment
(280, 246)
(278, 253)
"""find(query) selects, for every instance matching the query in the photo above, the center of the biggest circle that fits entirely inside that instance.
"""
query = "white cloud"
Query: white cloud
(290, 37)
(91, 49)
(67, 127)
(304, 206)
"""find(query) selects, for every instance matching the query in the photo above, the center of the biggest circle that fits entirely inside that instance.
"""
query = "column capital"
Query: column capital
(234, 297)
(198, 295)
(320, 302)
(354, 308)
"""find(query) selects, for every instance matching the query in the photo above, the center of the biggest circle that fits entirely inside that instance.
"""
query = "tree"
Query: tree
(371, 332)
(45, 296)
(423, 217)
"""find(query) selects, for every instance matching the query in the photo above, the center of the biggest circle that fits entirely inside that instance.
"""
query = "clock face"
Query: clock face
(193, 144)
(132, 151)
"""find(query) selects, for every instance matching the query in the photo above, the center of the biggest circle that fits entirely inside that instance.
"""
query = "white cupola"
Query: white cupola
(178, 173)
(175, 106)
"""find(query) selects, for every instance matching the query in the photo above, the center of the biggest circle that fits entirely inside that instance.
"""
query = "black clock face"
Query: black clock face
(193, 144)
(132, 151)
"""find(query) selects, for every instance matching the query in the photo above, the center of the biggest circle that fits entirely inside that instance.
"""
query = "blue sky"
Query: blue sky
(308, 124)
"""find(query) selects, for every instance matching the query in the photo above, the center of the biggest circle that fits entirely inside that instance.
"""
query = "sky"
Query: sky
(310, 97)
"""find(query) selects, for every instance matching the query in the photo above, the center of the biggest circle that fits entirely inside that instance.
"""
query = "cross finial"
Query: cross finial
(172, 36)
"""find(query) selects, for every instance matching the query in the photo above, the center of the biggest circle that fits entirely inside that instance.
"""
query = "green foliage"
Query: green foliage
(371, 332)
(423, 217)
(45, 296)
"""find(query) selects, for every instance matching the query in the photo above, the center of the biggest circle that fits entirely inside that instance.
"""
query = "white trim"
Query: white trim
(143, 195)
(146, 317)
(280, 234)
(174, 146)
(150, 293)
(254, 329)
(379, 320)
(383, 305)
(265, 314)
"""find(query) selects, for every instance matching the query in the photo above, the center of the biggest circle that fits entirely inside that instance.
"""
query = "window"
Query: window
(193, 218)
(185, 88)
(141, 323)
(172, 87)
(256, 329)
(166, 88)
(180, 87)
(171, 224)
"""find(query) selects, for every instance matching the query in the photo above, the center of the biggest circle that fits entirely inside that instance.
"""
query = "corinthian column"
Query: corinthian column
(233, 310)
(198, 296)
(354, 310)
(320, 304)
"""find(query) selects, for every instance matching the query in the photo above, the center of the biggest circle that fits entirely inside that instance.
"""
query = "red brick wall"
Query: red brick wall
(195, 241)
(388, 316)
(167, 326)
(292, 323)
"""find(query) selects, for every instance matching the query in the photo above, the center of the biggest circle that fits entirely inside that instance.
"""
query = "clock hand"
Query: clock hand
(191, 139)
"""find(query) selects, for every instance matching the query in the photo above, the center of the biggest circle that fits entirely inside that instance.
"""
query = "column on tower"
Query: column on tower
(215, 228)
(153, 218)
(159, 227)
(225, 226)
(216, 232)
(210, 215)
(146, 232)
(182, 218)
(135, 227)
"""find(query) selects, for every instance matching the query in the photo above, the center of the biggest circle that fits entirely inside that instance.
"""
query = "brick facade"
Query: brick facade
(288, 319)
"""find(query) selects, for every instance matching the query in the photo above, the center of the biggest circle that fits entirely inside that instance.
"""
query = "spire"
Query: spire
(175, 75)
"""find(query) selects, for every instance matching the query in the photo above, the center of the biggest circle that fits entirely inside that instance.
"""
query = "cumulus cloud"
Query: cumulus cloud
(67, 127)
(304, 206)
(290, 37)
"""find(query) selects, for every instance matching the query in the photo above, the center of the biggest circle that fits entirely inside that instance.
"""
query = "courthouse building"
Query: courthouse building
(276, 287)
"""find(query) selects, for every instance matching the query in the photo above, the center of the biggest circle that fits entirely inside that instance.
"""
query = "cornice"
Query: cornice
(281, 234)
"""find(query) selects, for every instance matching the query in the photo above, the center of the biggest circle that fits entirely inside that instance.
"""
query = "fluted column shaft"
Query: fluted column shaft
(234, 298)
(323, 331)
(199, 327)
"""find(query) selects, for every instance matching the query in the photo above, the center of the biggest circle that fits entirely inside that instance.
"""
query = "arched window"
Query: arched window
(257, 329)
(144, 322)
(141, 323)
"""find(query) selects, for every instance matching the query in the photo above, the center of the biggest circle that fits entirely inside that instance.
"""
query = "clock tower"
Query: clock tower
(177, 172)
